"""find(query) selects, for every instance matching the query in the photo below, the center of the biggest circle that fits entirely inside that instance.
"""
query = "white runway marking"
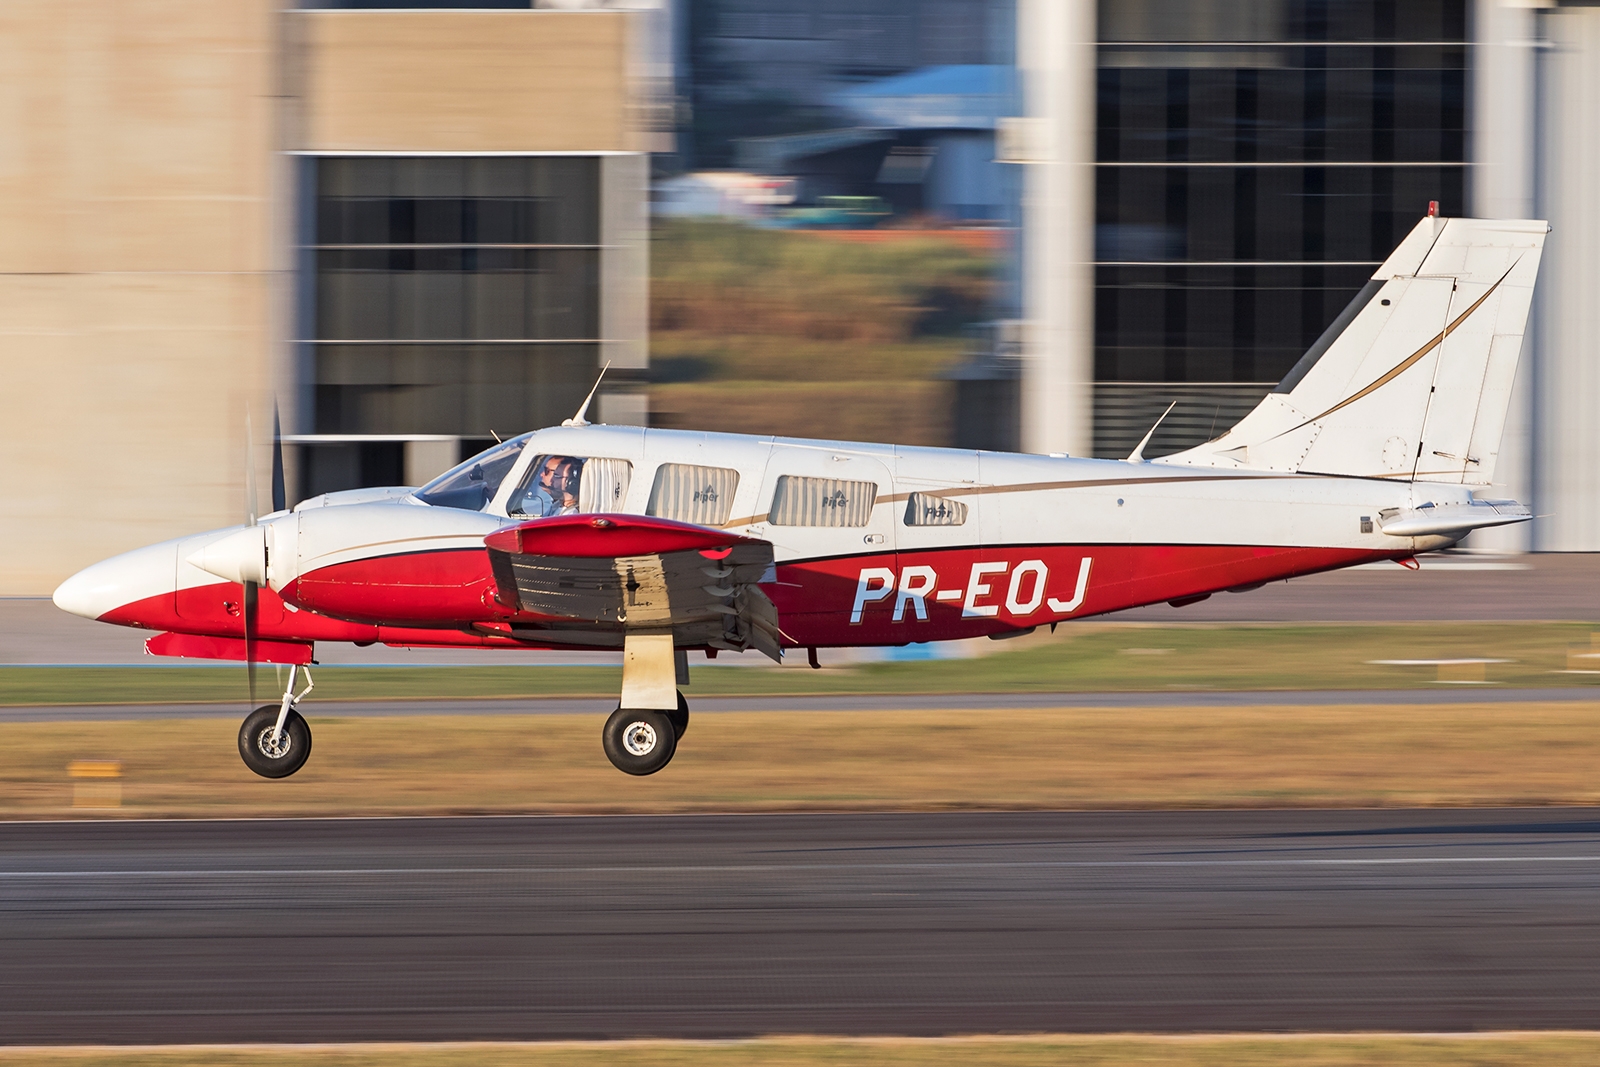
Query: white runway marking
(1385, 861)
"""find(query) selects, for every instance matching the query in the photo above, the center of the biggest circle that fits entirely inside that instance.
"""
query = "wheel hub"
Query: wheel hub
(273, 749)
(639, 739)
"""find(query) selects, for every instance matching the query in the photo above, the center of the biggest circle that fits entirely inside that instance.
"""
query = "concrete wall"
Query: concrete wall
(136, 293)
(1566, 381)
(146, 227)
(1536, 105)
(465, 81)
(1056, 64)
(1502, 182)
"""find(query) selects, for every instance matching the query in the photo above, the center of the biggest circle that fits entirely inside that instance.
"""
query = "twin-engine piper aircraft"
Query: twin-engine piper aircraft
(661, 541)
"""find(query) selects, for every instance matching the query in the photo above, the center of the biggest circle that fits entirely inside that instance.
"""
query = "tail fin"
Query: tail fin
(1413, 379)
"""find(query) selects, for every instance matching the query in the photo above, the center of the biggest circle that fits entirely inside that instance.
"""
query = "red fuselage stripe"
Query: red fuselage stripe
(883, 598)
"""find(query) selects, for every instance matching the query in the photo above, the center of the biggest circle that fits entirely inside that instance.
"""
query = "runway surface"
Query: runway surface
(339, 709)
(848, 924)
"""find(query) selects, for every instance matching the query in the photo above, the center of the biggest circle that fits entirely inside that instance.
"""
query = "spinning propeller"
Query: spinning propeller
(252, 582)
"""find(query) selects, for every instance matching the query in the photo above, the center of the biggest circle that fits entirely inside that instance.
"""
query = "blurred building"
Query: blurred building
(1208, 184)
(1536, 101)
(413, 228)
(892, 99)
(771, 67)
(923, 142)
(1247, 165)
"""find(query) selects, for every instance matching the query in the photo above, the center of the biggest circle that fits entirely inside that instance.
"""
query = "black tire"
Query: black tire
(680, 718)
(639, 742)
(255, 742)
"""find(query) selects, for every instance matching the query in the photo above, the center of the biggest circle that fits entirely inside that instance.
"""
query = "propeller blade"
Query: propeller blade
(251, 591)
(249, 472)
(252, 601)
(280, 499)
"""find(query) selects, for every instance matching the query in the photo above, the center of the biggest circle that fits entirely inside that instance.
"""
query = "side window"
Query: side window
(569, 485)
(925, 509)
(604, 485)
(688, 493)
(822, 502)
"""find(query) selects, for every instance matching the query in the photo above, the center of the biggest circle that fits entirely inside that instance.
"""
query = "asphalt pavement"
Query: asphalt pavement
(713, 926)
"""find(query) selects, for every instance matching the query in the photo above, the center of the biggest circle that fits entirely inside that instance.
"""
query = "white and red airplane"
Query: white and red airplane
(661, 541)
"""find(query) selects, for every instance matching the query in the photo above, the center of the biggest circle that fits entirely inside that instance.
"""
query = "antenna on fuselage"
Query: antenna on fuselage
(579, 419)
(1137, 455)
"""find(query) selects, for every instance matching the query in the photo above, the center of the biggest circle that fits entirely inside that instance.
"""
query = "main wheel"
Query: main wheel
(680, 718)
(269, 758)
(639, 742)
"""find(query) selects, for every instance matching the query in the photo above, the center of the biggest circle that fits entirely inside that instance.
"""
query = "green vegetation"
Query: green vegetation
(1084, 657)
(811, 334)
(1120, 1050)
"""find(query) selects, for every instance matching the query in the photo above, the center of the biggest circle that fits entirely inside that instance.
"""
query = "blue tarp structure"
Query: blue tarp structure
(958, 97)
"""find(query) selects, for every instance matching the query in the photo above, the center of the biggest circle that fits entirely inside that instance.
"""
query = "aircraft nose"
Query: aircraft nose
(119, 581)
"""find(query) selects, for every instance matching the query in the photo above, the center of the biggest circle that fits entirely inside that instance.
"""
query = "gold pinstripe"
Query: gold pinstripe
(1410, 361)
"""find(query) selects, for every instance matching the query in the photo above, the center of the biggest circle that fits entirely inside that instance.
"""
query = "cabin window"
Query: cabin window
(687, 493)
(571, 485)
(822, 502)
(926, 509)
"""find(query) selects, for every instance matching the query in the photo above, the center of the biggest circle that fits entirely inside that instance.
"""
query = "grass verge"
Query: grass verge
(1310, 1050)
(1084, 657)
(1070, 758)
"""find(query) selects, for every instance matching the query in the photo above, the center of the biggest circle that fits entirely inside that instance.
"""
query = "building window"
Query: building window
(822, 502)
(453, 295)
(687, 493)
(1255, 163)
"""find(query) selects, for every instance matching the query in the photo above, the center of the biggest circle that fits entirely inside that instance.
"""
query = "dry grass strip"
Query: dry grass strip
(1309, 1050)
(1069, 758)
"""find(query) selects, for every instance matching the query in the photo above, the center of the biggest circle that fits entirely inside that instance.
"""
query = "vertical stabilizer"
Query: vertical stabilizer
(1412, 381)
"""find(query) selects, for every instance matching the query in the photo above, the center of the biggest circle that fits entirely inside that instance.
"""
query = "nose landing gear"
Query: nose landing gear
(274, 740)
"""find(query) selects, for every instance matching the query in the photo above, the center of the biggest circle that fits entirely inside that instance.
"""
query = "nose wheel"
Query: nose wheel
(269, 751)
(275, 739)
(642, 742)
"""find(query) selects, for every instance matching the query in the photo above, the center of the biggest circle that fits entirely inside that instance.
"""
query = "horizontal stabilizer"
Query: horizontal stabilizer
(1430, 519)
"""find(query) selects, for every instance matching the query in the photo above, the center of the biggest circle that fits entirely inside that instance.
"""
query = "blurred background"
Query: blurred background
(986, 223)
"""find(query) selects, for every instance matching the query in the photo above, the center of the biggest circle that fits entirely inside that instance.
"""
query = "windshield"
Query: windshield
(472, 484)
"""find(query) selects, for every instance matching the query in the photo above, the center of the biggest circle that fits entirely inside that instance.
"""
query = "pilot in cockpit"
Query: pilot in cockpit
(555, 489)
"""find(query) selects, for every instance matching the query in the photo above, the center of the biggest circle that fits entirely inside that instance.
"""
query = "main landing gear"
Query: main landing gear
(275, 740)
(643, 742)
(641, 736)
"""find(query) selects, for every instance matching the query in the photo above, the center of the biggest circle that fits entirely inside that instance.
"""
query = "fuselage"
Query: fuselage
(875, 544)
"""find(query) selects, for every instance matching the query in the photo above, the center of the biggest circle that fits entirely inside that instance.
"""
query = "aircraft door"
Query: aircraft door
(940, 540)
(831, 517)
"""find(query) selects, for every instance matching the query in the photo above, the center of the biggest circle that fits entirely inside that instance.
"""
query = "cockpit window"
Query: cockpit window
(471, 485)
(567, 485)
